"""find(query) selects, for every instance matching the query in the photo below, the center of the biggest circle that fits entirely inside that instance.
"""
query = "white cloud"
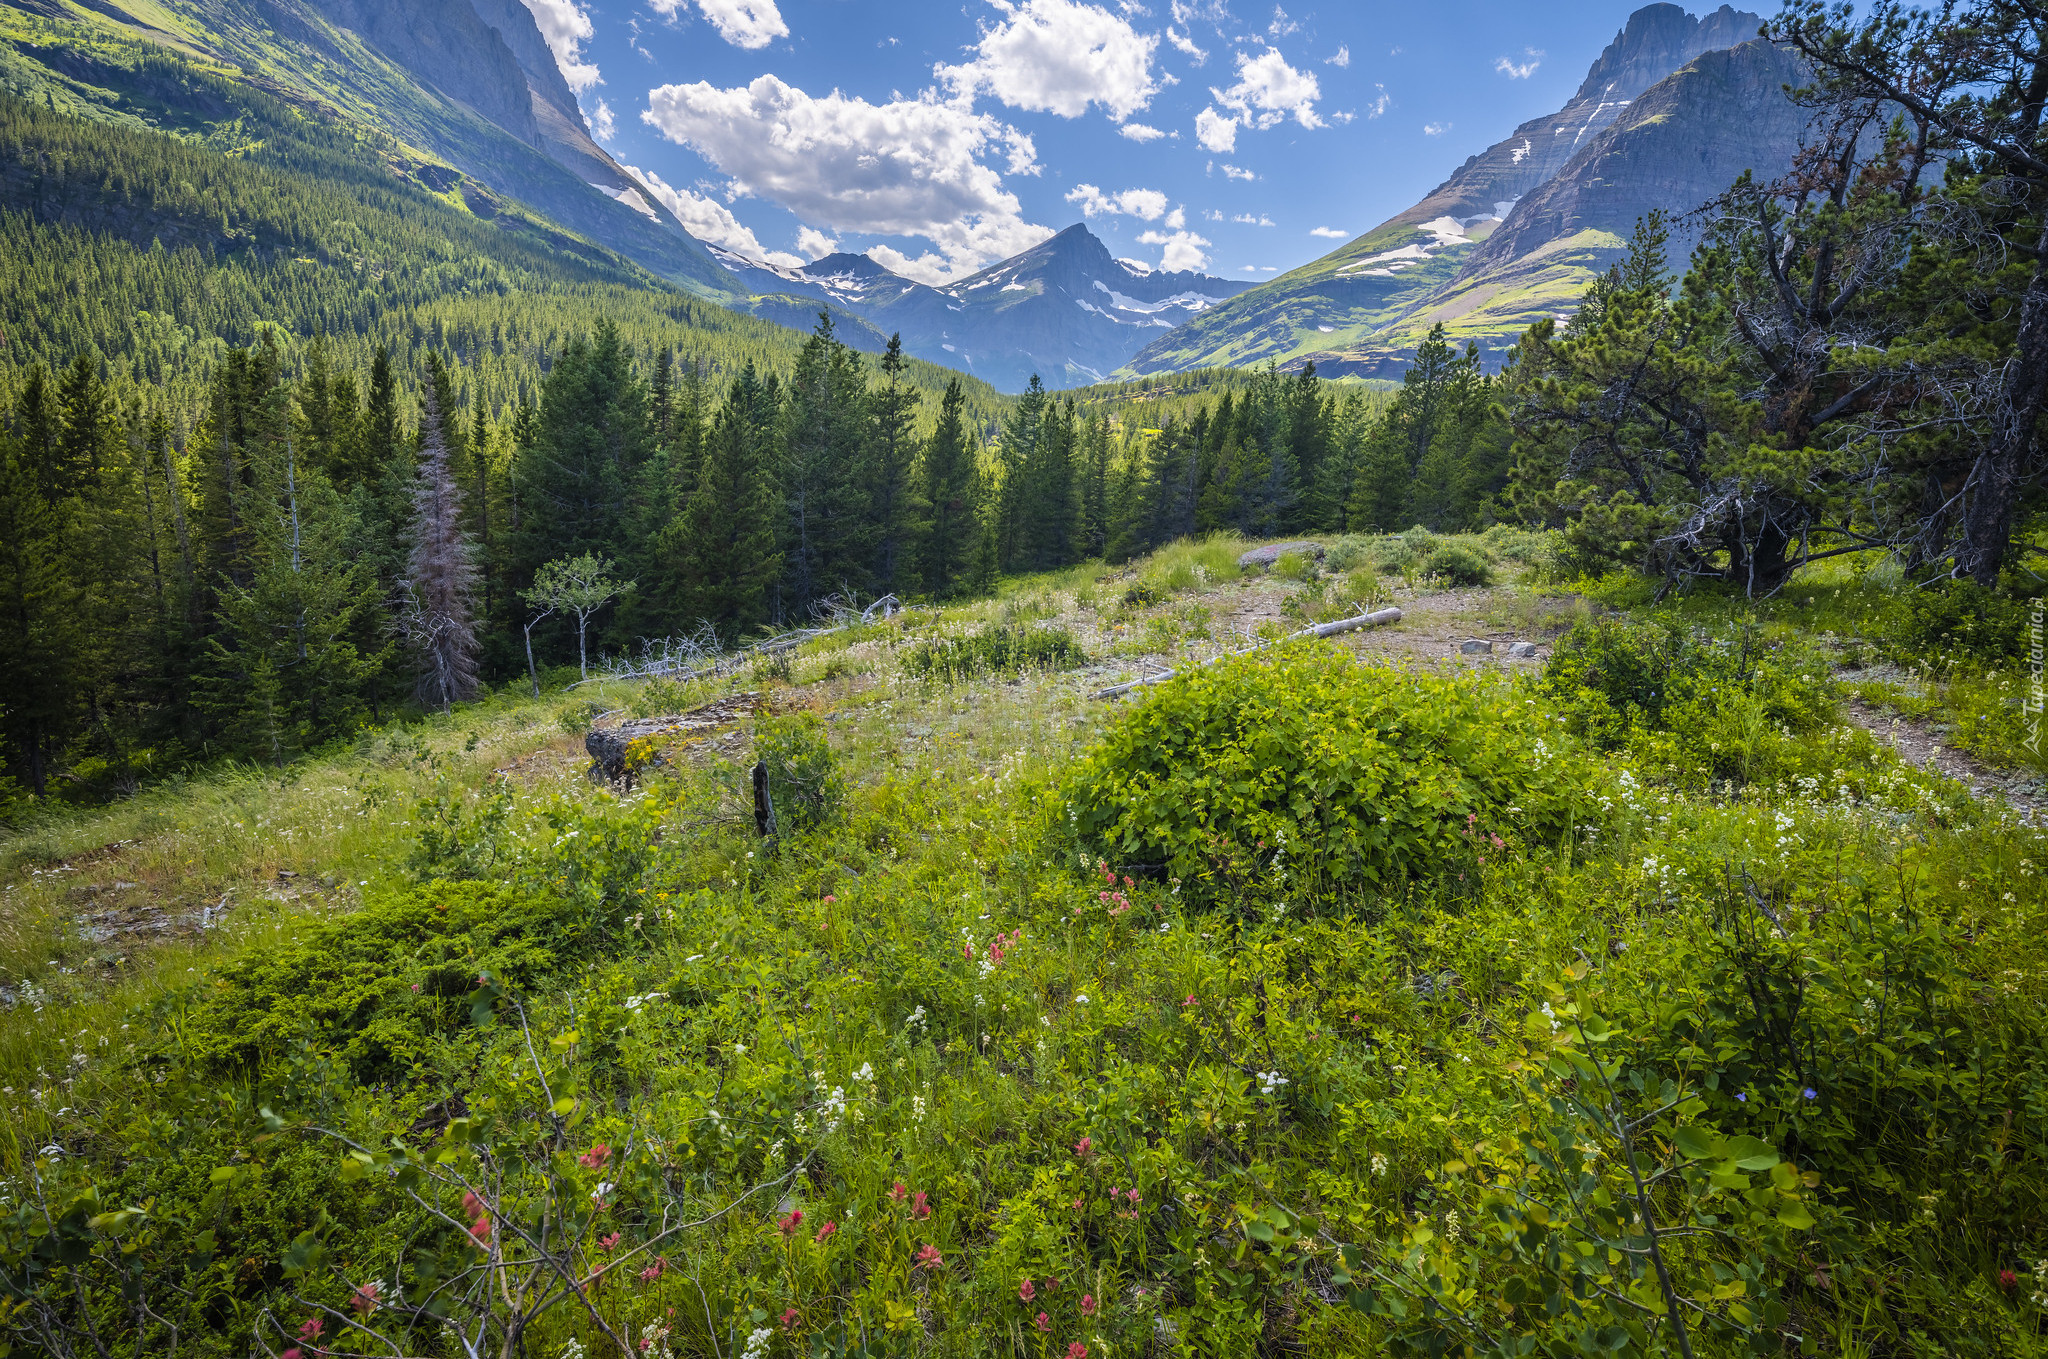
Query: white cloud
(1522, 71)
(1211, 215)
(1341, 60)
(1215, 132)
(1059, 56)
(1183, 250)
(566, 28)
(1380, 103)
(1268, 90)
(1187, 45)
(602, 125)
(1252, 219)
(751, 24)
(815, 243)
(1281, 25)
(711, 221)
(1435, 129)
(1259, 268)
(1140, 132)
(1147, 205)
(910, 167)
(1331, 233)
(1176, 219)
(1233, 172)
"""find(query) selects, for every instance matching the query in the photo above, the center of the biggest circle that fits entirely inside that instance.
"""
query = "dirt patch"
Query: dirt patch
(1917, 744)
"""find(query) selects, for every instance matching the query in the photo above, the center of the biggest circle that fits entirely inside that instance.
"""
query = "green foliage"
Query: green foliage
(803, 776)
(1696, 707)
(1460, 565)
(379, 986)
(1261, 779)
(1958, 618)
(993, 649)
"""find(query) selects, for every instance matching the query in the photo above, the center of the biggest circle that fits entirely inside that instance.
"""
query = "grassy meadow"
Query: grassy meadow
(1349, 997)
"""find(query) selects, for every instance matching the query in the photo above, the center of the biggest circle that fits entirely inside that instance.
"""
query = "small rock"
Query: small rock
(1263, 557)
(1477, 646)
(1523, 651)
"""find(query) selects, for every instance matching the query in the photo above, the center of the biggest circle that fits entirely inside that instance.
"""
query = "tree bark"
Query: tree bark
(1994, 487)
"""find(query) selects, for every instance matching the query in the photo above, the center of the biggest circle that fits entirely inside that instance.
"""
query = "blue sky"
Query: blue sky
(941, 136)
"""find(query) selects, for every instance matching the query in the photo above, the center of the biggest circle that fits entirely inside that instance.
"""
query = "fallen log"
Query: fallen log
(1365, 620)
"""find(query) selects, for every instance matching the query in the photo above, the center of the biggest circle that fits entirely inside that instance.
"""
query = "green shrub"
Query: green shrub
(1698, 707)
(803, 777)
(1958, 617)
(1310, 769)
(1460, 565)
(379, 986)
(996, 649)
(1297, 566)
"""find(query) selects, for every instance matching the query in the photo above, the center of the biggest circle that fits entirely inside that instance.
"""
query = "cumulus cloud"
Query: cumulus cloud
(910, 167)
(1330, 233)
(566, 28)
(712, 222)
(1269, 90)
(1059, 56)
(1147, 205)
(1185, 44)
(602, 125)
(1252, 219)
(1235, 172)
(1215, 132)
(1513, 70)
(1341, 60)
(1379, 103)
(815, 243)
(1281, 25)
(1183, 249)
(751, 24)
(1140, 132)
(1435, 129)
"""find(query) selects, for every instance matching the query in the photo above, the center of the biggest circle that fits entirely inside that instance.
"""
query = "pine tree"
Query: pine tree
(440, 573)
(721, 550)
(892, 493)
(37, 614)
(952, 531)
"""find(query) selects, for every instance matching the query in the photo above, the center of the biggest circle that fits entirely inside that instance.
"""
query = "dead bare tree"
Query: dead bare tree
(440, 579)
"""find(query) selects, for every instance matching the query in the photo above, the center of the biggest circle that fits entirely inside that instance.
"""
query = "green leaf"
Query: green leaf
(1259, 1230)
(1794, 1215)
(1751, 1154)
(1697, 1143)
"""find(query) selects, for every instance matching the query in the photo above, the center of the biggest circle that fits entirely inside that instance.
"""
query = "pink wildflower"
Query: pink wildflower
(920, 1208)
(607, 1242)
(1084, 1148)
(653, 1271)
(1044, 1324)
(928, 1258)
(827, 1230)
(789, 1317)
(595, 1157)
(1077, 1350)
(896, 1192)
(1025, 1292)
(1087, 1304)
(293, 1353)
(309, 1329)
(788, 1225)
(366, 1298)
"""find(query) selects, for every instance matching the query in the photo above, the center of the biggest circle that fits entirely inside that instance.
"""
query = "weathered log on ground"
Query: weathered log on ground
(609, 746)
(1365, 620)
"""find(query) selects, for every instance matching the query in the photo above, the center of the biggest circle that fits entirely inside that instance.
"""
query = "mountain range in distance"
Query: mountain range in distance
(477, 111)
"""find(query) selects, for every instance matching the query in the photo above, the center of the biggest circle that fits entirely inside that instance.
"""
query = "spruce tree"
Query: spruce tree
(720, 552)
(893, 503)
(951, 533)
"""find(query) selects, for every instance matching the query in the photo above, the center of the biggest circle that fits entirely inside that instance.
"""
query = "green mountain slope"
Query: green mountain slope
(466, 112)
(1356, 309)
(156, 212)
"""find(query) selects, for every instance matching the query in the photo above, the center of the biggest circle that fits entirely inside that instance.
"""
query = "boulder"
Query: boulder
(1477, 646)
(1264, 557)
(1523, 651)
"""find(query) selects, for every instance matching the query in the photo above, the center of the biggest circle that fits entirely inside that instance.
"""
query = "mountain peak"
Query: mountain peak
(1657, 40)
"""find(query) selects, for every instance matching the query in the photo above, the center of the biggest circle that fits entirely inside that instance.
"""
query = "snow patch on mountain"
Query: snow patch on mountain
(629, 198)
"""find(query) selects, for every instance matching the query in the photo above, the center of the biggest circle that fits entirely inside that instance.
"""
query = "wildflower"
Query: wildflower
(1079, 1204)
(1025, 1292)
(788, 1225)
(1189, 1001)
(896, 1192)
(1131, 1194)
(757, 1344)
(830, 899)
(1044, 1324)
(928, 1258)
(825, 1232)
(309, 1329)
(1080, 1000)
(606, 1243)
(1077, 1350)
(788, 1318)
(653, 1271)
(919, 1207)
(366, 1298)
(1087, 1304)
(1810, 1093)
(2007, 1279)
(293, 1353)
(595, 1157)
(1084, 1148)
(1741, 1097)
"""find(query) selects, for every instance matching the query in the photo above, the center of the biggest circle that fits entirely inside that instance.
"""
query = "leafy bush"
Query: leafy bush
(1309, 769)
(803, 778)
(996, 649)
(1958, 617)
(1698, 707)
(1297, 566)
(1460, 565)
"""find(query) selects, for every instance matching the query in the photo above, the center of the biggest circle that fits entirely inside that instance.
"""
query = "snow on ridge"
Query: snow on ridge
(629, 198)
(1193, 301)
(1524, 149)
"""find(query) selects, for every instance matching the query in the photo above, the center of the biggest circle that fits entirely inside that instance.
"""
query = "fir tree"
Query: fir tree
(952, 532)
